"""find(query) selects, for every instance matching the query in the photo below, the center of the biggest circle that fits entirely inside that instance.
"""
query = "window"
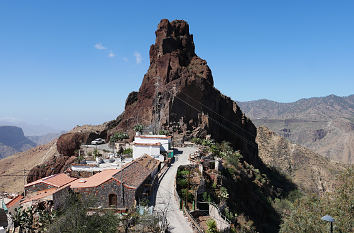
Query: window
(112, 200)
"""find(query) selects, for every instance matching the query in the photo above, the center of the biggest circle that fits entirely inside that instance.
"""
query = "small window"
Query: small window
(112, 200)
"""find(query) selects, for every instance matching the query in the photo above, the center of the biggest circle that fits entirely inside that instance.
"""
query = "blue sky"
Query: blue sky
(64, 63)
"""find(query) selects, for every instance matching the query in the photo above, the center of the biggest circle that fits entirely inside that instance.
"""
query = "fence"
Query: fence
(195, 224)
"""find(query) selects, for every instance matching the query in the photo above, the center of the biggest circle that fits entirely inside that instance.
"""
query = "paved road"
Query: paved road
(165, 199)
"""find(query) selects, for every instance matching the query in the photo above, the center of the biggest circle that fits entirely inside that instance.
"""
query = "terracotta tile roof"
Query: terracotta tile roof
(154, 137)
(14, 201)
(94, 180)
(137, 171)
(147, 144)
(39, 195)
(43, 193)
(132, 174)
(56, 180)
(84, 165)
(148, 162)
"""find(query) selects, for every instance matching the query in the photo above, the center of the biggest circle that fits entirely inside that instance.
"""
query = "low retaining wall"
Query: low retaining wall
(222, 224)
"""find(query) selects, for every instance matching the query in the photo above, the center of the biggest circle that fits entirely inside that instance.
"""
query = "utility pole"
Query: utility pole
(122, 188)
(157, 112)
(24, 182)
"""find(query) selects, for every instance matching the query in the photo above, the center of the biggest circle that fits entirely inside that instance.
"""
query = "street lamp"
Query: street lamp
(328, 218)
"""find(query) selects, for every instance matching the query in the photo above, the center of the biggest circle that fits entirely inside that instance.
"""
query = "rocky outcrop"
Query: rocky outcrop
(178, 94)
(70, 142)
(57, 164)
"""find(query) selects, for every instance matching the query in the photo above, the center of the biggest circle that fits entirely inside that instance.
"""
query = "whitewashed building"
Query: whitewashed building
(151, 145)
(165, 141)
(152, 149)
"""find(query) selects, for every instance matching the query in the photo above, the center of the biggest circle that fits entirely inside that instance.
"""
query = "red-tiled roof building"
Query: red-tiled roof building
(120, 188)
(14, 203)
(53, 188)
(53, 181)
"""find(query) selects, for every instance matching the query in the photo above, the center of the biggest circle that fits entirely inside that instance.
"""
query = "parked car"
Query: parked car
(98, 141)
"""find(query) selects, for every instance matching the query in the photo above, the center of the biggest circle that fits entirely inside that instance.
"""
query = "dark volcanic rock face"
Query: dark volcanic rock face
(56, 165)
(178, 94)
(68, 143)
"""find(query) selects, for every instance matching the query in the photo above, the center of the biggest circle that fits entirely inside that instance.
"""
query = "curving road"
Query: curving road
(165, 200)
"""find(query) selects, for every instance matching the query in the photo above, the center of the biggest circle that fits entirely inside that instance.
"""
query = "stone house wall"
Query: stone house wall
(60, 196)
(101, 193)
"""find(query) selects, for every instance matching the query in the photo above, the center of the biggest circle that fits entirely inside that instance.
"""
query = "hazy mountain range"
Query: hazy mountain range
(13, 140)
(323, 124)
(29, 129)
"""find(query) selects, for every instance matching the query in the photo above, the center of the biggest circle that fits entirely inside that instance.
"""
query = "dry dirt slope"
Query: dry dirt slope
(14, 165)
(31, 158)
(310, 171)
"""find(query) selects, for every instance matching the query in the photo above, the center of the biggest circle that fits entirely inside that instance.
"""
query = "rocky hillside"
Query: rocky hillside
(13, 140)
(41, 161)
(310, 171)
(324, 125)
(178, 94)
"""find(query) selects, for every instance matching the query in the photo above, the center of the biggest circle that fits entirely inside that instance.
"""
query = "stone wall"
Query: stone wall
(222, 224)
(101, 193)
(60, 196)
(37, 187)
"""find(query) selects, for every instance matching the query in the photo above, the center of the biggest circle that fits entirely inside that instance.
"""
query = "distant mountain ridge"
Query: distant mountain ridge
(323, 124)
(13, 140)
(28, 128)
(315, 108)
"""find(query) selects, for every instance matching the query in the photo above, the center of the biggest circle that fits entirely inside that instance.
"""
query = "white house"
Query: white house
(152, 149)
(165, 141)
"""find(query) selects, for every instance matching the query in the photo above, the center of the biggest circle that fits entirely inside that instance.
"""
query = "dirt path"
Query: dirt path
(165, 199)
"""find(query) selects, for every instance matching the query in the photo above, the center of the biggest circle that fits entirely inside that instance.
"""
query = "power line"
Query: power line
(221, 125)
(205, 106)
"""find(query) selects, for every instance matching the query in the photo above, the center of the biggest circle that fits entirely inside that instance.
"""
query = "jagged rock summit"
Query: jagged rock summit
(178, 94)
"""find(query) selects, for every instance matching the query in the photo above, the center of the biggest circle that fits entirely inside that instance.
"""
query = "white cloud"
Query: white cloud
(100, 46)
(138, 57)
(9, 119)
(111, 54)
(125, 59)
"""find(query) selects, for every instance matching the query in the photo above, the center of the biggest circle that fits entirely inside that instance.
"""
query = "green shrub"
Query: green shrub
(138, 128)
(224, 193)
(182, 183)
(128, 151)
(118, 137)
(211, 226)
(163, 132)
(196, 141)
(206, 196)
(186, 195)
(185, 173)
